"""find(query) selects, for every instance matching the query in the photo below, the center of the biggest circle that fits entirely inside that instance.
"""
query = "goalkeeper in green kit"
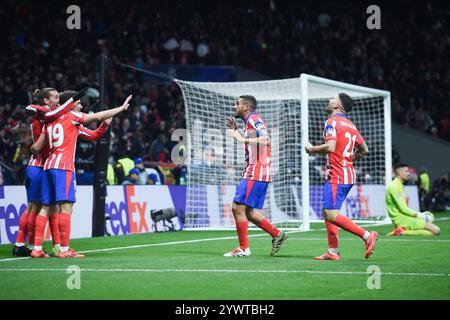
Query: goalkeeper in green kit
(406, 220)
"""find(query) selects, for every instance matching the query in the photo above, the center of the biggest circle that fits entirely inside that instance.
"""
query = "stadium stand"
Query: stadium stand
(277, 40)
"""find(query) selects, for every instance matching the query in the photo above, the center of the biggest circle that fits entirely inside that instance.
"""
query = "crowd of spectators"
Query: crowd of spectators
(408, 56)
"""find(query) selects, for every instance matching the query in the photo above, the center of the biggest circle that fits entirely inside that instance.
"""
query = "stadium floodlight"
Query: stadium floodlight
(293, 110)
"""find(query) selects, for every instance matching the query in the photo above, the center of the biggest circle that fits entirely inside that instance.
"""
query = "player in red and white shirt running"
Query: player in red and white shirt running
(251, 192)
(59, 180)
(341, 137)
(48, 109)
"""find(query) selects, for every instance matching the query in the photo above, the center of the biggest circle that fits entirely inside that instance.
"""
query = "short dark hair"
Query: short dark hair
(250, 99)
(400, 165)
(66, 95)
(346, 101)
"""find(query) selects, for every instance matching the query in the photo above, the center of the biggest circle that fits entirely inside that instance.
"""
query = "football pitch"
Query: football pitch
(189, 265)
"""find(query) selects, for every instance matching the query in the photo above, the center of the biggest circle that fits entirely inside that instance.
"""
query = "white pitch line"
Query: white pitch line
(173, 243)
(407, 274)
(156, 245)
(393, 239)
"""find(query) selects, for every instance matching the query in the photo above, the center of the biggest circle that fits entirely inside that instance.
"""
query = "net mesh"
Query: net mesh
(216, 161)
(368, 117)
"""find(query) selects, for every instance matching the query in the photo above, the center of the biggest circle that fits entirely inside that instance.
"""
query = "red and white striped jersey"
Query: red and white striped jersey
(92, 135)
(43, 114)
(257, 156)
(38, 159)
(62, 135)
(340, 162)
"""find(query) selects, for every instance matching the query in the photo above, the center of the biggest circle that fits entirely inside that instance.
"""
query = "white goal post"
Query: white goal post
(293, 110)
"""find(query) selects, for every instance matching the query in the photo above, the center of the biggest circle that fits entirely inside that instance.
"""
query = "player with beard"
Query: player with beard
(251, 192)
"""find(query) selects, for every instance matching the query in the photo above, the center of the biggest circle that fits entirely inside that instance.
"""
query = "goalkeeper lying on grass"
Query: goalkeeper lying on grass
(406, 220)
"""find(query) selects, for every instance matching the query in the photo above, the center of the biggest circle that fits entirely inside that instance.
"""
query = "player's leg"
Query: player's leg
(418, 227)
(33, 178)
(333, 242)
(22, 233)
(240, 218)
(369, 238)
(65, 196)
(19, 248)
(255, 195)
(31, 223)
(332, 207)
(434, 229)
(54, 229)
(261, 222)
(39, 229)
(254, 198)
(47, 199)
(329, 204)
(278, 236)
(242, 231)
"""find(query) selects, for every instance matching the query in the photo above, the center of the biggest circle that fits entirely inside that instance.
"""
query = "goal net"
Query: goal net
(293, 110)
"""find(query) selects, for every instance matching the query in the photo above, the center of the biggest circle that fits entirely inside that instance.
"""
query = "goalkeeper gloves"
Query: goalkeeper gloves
(80, 94)
(426, 216)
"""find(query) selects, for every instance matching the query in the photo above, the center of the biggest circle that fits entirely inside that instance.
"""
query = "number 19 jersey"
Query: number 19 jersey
(340, 168)
(62, 137)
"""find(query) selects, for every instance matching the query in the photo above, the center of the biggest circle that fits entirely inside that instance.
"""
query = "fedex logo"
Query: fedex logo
(127, 216)
(10, 212)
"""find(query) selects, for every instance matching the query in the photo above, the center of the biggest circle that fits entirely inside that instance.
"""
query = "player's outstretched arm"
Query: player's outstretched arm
(325, 148)
(94, 135)
(103, 115)
(361, 151)
(39, 145)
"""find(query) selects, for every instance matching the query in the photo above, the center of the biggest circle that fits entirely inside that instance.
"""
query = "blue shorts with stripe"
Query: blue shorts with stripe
(33, 183)
(252, 193)
(58, 186)
(334, 195)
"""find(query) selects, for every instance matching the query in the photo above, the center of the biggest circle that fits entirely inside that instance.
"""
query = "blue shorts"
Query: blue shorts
(33, 183)
(58, 186)
(251, 193)
(334, 195)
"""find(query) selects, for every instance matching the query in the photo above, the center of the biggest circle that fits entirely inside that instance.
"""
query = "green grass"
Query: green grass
(419, 268)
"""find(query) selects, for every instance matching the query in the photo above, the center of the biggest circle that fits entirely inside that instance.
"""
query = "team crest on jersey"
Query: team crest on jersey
(259, 124)
(330, 130)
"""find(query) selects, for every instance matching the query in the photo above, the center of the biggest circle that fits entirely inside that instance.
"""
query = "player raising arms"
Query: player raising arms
(85, 134)
(47, 109)
(251, 192)
(341, 137)
(58, 185)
